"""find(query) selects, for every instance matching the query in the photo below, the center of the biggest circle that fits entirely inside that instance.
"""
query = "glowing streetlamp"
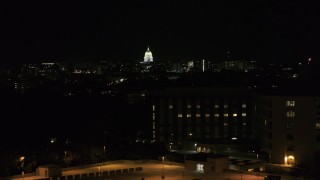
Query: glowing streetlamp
(104, 153)
(185, 147)
(162, 177)
(66, 158)
(21, 159)
(170, 147)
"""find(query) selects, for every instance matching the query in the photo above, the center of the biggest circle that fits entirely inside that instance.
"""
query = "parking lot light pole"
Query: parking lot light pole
(21, 159)
(162, 177)
(104, 153)
(185, 147)
(240, 167)
(170, 148)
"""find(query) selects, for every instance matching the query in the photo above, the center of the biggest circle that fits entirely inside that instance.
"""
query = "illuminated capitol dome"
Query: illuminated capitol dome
(148, 56)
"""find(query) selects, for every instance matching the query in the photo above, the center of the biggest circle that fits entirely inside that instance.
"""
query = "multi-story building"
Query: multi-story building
(200, 113)
(287, 123)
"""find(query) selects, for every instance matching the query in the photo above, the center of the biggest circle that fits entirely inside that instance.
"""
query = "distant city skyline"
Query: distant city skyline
(264, 31)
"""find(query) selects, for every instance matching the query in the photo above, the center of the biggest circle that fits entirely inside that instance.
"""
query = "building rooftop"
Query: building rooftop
(204, 156)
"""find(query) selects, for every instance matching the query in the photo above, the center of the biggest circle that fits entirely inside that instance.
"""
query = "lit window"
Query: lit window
(291, 103)
(244, 124)
(225, 124)
(216, 115)
(234, 114)
(216, 106)
(207, 115)
(225, 114)
(153, 107)
(290, 160)
(291, 114)
(170, 106)
(153, 117)
(154, 125)
(198, 115)
(189, 106)
(180, 115)
(225, 106)
(244, 114)
(198, 106)
(244, 106)
(318, 125)
(188, 115)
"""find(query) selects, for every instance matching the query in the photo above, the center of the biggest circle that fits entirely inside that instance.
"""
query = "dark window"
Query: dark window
(289, 124)
(290, 136)
(290, 147)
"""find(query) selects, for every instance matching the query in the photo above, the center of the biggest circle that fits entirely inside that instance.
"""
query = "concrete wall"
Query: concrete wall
(49, 171)
(102, 174)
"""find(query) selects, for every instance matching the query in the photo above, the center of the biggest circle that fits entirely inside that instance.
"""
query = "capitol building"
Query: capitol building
(148, 58)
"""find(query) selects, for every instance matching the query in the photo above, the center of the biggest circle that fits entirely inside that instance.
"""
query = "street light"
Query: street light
(170, 147)
(185, 147)
(66, 158)
(104, 153)
(162, 177)
(240, 166)
(21, 159)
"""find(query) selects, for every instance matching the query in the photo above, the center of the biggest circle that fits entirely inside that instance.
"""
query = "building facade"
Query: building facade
(288, 127)
(200, 113)
(148, 56)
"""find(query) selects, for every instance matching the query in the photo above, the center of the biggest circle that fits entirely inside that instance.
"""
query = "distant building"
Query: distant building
(148, 56)
(147, 63)
(287, 123)
(235, 65)
(200, 113)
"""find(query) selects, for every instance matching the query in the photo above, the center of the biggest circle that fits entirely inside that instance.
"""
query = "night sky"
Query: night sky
(266, 31)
